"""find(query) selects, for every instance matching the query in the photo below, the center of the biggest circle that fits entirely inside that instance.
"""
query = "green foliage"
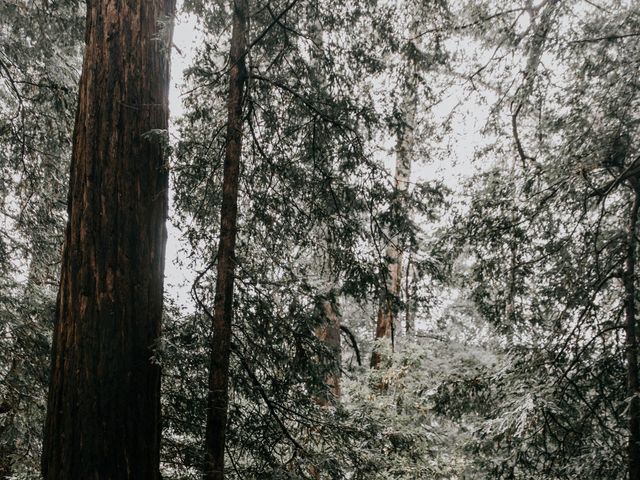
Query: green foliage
(517, 369)
(545, 246)
(39, 61)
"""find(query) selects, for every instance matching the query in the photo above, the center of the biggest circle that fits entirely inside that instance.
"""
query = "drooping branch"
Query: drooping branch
(608, 38)
(354, 343)
(256, 383)
(629, 173)
(514, 124)
(241, 57)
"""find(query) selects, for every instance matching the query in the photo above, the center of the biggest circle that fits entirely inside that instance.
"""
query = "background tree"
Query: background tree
(564, 286)
(218, 394)
(308, 175)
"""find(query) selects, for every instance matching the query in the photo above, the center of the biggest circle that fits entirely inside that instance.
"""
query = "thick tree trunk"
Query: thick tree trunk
(104, 398)
(387, 312)
(218, 395)
(632, 342)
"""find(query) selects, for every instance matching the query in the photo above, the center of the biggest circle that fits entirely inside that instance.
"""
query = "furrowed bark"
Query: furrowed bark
(218, 395)
(103, 411)
(633, 386)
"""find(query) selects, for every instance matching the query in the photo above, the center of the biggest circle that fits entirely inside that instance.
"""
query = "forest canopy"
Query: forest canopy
(409, 231)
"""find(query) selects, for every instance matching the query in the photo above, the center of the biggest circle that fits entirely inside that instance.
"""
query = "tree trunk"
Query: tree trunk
(9, 404)
(632, 342)
(218, 395)
(387, 312)
(329, 333)
(103, 407)
(411, 291)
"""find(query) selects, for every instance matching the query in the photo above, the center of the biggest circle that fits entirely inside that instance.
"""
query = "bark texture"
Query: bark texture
(218, 395)
(633, 386)
(104, 398)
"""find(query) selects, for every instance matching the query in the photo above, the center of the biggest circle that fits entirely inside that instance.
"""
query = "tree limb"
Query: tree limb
(353, 342)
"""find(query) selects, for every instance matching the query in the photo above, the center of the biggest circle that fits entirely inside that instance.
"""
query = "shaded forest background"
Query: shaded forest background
(386, 323)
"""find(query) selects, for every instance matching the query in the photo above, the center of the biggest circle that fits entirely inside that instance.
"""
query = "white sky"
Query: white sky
(178, 279)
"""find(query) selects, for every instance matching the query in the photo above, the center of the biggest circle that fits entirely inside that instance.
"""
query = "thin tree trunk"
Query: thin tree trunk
(632, 342)
(411, 293)
(387, 312)
(218, 395)
(9, 404)
(510, 303)
(103, 411)
(329, 333)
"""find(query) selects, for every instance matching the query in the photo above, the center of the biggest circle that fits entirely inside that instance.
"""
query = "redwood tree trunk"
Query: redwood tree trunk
(387, 312)
(329, 333)
(103, 407)
(218, 395)
(632, 342)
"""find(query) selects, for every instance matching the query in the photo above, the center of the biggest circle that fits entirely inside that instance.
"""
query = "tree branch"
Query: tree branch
(353, 342)
(606, 37)
(265, 397)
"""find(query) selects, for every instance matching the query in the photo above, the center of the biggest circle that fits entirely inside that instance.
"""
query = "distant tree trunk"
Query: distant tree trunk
(103, 411)
(633, 385)
(404, 149)
(218, 395)
(509, 309)
(8, 404)
(411, 292)
(329, 333)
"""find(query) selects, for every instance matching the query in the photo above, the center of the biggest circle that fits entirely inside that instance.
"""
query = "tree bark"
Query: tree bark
(633, 389)
(218, 395)
(103, 411)
(329, 333)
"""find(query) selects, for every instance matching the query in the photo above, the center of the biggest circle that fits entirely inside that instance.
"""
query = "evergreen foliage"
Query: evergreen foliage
(40, 52)
(517, 280)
